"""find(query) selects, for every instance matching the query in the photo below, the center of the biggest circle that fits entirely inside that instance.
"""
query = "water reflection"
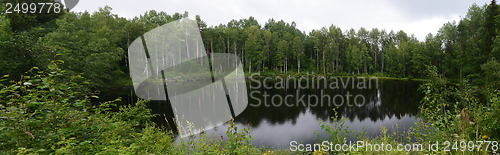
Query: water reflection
(386, 103)
(392, 98)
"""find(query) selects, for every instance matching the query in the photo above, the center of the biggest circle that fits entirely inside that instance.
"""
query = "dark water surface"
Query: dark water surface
(275, 119)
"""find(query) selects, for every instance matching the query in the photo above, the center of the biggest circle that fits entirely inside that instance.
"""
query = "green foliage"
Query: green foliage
(338, 131)
(136, 115)
(47, 111)
(394, 63)
(89, 43)
(44, 114)
(21, 51)
(280, 55)
(453, 112)
(491, 71)
(25, 21)
(94, 45)
(449, 112)
(492, 120)
(489, 28)
(354, 56)
(233, 142)
(253, 46)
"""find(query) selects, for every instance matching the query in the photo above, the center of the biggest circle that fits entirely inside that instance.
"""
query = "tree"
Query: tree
(267, 37)
(449, 35)
(394, 64)
(89, 43)
(374, 44)
(21, 50)
(298, 50)
(253, 47)
(280, 55)
(489, 30)
(491, 71)
(318, 37)
(332, 47)
(469, 29)
(366, 59)
(354, 58)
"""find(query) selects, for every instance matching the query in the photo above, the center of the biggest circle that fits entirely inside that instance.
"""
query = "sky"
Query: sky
(418, 17)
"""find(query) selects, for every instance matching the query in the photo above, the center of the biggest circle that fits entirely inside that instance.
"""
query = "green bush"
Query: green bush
(46, 114)
(457, 112)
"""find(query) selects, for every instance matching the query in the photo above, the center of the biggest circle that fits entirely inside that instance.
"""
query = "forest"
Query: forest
(96, 43)
(81, 53)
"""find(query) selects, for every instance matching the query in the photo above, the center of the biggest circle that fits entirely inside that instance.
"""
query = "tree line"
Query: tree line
(458, 49)
(95, 45)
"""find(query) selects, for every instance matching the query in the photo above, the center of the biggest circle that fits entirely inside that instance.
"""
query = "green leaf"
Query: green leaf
(94, 96)
(27, 83)
(51, 67)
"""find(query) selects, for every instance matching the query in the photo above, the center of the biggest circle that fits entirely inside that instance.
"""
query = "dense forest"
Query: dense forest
(40, 53)
(95, 44)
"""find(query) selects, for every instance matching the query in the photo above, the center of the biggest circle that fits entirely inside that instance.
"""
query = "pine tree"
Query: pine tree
(489, 32)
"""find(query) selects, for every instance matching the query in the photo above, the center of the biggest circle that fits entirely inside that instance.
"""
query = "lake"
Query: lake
(282, 110)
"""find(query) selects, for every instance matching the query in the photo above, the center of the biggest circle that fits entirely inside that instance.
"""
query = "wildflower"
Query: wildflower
(318, 152)
(484, 137)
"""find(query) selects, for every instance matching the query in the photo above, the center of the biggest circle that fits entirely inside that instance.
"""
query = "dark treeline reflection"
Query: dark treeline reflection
(275, 122)
(384, 99)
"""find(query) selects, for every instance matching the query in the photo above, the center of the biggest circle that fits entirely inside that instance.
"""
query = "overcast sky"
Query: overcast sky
(418, 17)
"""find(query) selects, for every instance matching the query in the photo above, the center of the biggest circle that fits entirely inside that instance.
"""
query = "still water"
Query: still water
(280, 111)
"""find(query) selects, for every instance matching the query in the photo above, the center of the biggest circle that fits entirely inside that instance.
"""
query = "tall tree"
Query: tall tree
(280, 55)
(253, 47)
(374, 44)
(298, 50)
(490, 28)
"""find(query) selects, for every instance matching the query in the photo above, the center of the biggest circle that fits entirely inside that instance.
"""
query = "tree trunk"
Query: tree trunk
(317, 59)
(333, 68)
(298, 66)
(250, 68)
(212, 53)
(375, 63)
(243, 55)
(235, 55)
(337, 61)
(262, 66)
(324, 63)
(286, 65)
(197, 48)
(187, 46)
(404, 66)
(382, 67)
(367, 69)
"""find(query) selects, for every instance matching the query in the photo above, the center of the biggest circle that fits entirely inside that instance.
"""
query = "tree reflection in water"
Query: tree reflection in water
(391, 102)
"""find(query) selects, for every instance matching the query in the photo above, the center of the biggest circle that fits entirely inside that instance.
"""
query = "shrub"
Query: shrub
(46, 114)
(43, 113)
